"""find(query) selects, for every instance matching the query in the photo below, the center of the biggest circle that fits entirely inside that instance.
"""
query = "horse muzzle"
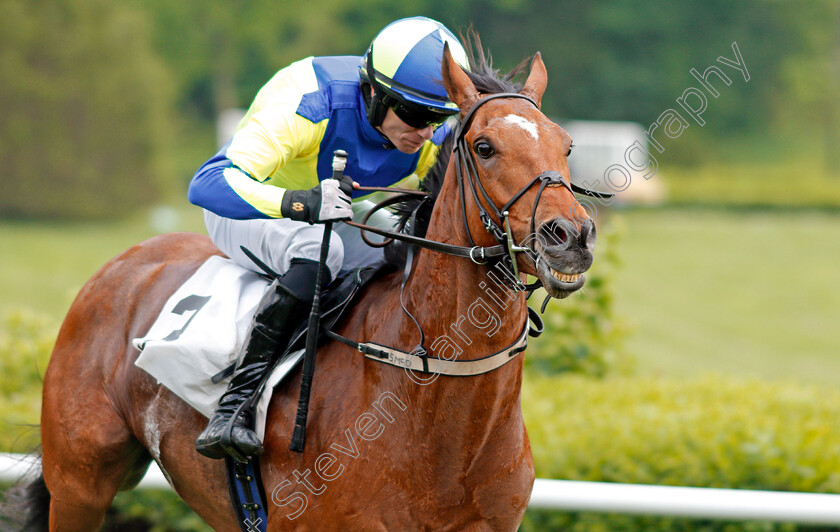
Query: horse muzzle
(564, 253)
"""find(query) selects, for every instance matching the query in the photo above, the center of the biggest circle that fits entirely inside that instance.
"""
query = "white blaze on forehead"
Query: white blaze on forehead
(525, 124)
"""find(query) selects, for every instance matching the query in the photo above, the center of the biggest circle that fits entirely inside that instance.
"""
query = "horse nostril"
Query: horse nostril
(560, 235)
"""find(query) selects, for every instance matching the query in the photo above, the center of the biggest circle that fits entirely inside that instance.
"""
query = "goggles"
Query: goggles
(418, 117)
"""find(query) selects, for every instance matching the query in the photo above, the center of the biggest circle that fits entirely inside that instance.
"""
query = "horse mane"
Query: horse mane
(487, 80)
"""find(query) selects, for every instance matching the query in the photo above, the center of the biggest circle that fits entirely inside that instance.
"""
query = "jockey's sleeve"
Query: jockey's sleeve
(234, 182)
(278, 145)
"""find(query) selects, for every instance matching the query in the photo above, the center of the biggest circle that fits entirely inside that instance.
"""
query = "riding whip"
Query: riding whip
(299, 435)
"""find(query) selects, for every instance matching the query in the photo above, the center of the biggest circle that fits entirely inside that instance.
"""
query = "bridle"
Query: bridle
(497, 223)
(466, 170)
(505, 251)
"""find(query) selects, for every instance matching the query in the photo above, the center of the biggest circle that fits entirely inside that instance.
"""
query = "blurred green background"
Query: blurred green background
(730, 277)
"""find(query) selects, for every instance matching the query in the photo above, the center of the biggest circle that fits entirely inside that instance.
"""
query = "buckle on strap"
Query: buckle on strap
(247, 494)
(472, 257)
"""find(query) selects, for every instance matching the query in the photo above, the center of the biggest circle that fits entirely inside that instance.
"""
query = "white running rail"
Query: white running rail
(702, 503)
(604, 497)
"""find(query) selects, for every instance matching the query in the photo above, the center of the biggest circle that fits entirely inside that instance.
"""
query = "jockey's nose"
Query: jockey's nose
(426, 132)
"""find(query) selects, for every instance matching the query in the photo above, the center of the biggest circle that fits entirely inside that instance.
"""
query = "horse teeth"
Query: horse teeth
(565, 277)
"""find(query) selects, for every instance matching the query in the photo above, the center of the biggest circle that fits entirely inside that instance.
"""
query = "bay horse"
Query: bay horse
(384, 451)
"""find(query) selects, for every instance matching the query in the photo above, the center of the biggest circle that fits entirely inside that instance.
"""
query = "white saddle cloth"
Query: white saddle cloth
(200, 332)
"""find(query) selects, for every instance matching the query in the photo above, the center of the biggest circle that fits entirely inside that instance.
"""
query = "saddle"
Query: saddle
(335, 301)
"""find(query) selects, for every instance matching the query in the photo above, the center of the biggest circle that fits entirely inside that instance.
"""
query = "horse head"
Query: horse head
(515, 162)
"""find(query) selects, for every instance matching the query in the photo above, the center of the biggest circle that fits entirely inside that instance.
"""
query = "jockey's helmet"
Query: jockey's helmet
(403, 67)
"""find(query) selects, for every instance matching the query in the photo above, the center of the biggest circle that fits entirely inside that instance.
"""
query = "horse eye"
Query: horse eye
(572, 145)
(484, 150)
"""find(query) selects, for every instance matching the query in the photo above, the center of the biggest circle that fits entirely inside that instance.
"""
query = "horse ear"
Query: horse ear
(537, 80)
(458, 85)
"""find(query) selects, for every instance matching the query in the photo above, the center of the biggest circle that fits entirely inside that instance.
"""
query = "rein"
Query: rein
(477, 254)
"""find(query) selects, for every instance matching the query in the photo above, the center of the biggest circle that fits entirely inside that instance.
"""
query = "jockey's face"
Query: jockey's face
(406, 138)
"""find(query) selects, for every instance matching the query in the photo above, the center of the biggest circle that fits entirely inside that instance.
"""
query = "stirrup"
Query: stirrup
(226, 439)
(218, 442)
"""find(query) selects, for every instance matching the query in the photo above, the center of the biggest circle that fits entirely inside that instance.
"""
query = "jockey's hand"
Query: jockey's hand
(328, 201)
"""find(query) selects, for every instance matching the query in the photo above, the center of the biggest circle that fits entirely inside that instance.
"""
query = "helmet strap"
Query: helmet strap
(377, 109)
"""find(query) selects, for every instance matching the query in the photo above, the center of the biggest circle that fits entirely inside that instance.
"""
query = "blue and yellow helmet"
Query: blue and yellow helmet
(403, 65)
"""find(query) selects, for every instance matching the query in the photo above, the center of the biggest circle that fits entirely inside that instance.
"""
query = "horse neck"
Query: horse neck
(468, 303)
(448, 293)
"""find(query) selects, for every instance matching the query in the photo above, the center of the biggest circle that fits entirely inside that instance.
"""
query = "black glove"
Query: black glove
(329, 200)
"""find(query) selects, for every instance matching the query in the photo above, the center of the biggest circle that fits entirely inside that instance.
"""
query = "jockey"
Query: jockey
(273, 180)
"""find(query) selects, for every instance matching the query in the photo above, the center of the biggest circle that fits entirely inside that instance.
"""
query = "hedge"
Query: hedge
(26, 340)
(710, 431)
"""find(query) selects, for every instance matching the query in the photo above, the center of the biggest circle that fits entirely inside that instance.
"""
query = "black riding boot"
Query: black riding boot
(279, 313)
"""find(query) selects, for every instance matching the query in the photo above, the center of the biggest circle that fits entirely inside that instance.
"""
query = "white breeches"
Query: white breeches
(277, 241)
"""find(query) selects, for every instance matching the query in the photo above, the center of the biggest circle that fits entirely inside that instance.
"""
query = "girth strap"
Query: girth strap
(247, 494)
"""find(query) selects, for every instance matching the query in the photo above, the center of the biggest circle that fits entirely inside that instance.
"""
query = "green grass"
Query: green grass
(736, 292)
(44, 265)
